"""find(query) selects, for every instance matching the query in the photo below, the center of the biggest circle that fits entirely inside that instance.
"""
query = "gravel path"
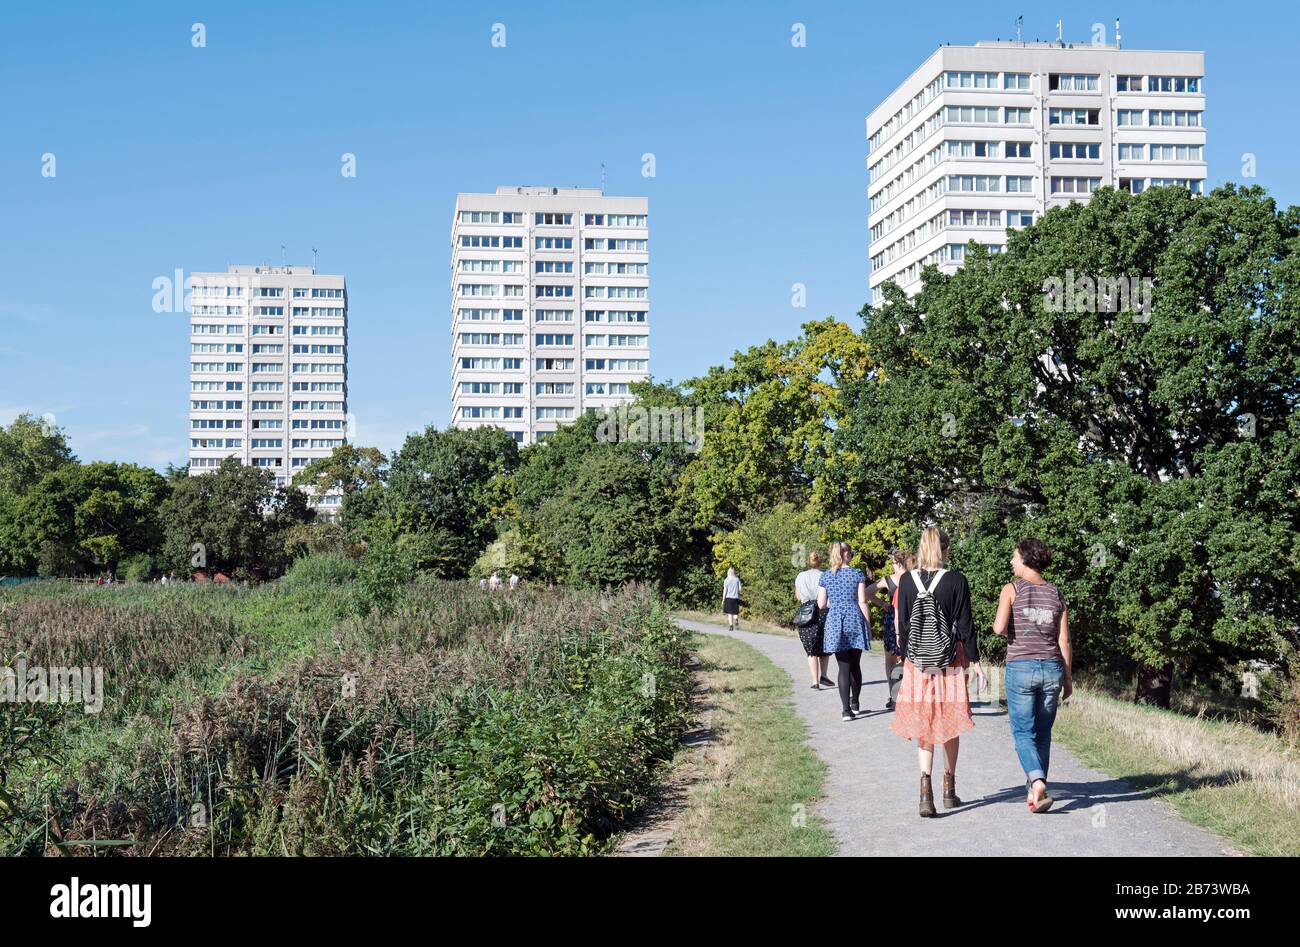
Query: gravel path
(871, 786)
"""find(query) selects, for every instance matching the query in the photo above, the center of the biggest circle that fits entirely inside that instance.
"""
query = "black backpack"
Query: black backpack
(930, 642)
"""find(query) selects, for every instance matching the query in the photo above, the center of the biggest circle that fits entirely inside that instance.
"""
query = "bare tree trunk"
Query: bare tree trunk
(1153, 685)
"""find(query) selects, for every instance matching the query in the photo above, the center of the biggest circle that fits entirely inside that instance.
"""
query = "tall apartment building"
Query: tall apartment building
(982, 139)
(550, 306)
(268, 369)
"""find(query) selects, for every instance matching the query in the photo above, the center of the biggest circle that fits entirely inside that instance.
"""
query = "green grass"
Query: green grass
(454, 723)
(759, 778)
(1227, 777)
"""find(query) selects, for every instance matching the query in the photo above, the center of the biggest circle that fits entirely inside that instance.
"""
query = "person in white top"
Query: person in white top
(731, 598)
(494, 582)
(514, 581)
(806, 584)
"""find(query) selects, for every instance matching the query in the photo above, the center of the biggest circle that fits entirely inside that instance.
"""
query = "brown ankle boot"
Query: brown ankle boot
(927, 797)
(950, 800)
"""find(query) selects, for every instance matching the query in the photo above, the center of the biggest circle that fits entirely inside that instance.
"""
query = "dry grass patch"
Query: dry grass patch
(1227, 777)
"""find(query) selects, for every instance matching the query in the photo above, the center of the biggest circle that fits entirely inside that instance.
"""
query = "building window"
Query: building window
(1072, 82)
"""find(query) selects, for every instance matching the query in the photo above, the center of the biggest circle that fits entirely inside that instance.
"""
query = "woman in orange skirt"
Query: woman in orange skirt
(938, 640)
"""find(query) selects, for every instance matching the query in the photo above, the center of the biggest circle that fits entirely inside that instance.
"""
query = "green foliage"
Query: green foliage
(138, 568)
(1152, 456)
(439, 501)
(239, 518)
(598, 512)
(30, 449)
(769, 419)
(89, 517)
(462, 723)
(347, 469)
(384, 573)
(321, 568)
(514, 553)
(768, 550)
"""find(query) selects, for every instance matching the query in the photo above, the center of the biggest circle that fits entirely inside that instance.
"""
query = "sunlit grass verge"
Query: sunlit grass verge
(759, 778)
(1227, 777)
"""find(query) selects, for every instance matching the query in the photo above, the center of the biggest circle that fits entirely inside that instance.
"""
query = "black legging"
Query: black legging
(850, 676)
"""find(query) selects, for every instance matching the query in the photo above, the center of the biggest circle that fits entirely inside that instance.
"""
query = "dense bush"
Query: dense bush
(321, 567)
(458, 722)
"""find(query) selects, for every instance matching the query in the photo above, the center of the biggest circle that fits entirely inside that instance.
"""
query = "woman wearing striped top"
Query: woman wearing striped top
(1033, 618)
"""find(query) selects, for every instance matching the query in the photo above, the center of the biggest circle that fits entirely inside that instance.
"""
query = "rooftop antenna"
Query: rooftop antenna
(602, 179)
(313, 259)
(282, 263)
(1060, 32)
(1019, 22)
(1119, 43)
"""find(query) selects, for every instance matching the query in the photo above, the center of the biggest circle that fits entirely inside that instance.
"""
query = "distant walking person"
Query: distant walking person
(482, 585)
(514, 581)
(847, 631)
(887, 596)
(494, 583)
(806, 585)
(1033, 618)
(731, 598)
(938, 641)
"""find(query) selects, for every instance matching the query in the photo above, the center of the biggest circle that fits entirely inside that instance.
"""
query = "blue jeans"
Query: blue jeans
(1033, 689)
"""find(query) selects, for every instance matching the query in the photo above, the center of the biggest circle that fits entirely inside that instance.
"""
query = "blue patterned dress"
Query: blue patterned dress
(845, 627)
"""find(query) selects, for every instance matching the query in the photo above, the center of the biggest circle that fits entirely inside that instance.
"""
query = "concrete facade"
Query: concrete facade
(268, 369)
(985, 138)
(549, 306)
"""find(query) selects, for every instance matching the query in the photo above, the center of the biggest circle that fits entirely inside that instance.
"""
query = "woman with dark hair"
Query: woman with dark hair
(886, 591)
(1033, 618)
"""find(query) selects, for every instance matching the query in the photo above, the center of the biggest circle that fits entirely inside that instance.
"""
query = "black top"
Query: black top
(952, 595)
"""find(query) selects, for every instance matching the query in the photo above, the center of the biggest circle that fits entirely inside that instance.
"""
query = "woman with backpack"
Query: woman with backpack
(806, 585)
(938, 642)
(1033, 618)
(847, 631)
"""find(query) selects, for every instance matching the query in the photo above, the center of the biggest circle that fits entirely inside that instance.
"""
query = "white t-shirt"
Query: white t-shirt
(806, 584)
(731, 587)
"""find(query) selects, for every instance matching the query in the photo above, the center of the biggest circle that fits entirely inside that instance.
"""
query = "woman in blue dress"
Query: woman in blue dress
(847, 631)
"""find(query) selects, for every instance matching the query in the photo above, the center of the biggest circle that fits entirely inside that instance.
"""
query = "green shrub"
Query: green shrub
(321, 568)
(768, 550)
(384, 572)
(460, 723)
(138, 568)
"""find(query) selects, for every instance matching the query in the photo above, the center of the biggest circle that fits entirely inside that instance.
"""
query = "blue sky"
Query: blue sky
(174, 157)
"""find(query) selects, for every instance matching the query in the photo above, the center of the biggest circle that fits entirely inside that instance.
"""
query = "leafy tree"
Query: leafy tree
(596, 511)
(768, 421)
(1117, 435)
(29, 450)
(768, 550)
(87, 517)
(237, 516)
(441, 493)
(347, 469)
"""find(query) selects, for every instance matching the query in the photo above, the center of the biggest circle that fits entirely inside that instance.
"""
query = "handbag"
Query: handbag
(806, 616)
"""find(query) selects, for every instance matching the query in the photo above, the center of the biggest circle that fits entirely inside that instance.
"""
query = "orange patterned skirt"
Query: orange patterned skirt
(933, 708)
